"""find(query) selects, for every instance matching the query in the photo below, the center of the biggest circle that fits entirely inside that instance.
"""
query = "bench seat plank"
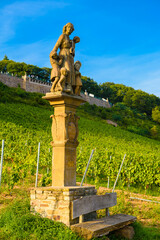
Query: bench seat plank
(92, 203)
(103, 226)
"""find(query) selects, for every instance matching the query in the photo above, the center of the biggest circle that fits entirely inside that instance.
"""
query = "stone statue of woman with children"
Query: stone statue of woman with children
(65, 75)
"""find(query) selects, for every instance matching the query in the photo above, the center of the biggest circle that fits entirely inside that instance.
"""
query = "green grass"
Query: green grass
(17, 222)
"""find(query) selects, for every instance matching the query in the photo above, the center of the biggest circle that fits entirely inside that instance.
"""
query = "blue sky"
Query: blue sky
(120, 39)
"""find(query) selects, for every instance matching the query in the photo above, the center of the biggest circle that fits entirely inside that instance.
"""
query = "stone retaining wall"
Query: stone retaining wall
(11, 81)
(96, 101)
(33, 85)
(56, 202)
(37, 86)
(26, 83)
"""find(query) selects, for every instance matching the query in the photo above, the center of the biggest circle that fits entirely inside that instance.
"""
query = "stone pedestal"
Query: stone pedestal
(64, 133)
(56, 202)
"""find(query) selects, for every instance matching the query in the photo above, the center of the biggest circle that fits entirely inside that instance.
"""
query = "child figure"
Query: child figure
(61, 83)
(78, 83)
(55, 61)
(73, 44)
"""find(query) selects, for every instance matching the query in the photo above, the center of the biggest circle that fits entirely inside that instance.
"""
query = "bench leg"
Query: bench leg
(107, 212)
(81, 218)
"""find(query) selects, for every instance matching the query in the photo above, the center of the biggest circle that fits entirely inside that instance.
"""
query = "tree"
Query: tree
(5, 57)
(107, 91)
(16, 68)
(91, 86)
(47, 73)
(140, 100)
(128, 98)
(3, 66)
(156, 114)
(19, 69)
(115, 92)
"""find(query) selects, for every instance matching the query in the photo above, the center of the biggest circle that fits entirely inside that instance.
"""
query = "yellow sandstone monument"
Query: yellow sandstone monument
(64, 201)
(55, 202)
(65, 98)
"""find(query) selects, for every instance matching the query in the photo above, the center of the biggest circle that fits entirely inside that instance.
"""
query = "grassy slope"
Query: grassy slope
(23, 126)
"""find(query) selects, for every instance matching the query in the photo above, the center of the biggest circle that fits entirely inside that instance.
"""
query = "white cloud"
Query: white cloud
(12, 14)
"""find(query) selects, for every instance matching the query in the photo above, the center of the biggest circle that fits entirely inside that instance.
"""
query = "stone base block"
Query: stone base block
(56, 202)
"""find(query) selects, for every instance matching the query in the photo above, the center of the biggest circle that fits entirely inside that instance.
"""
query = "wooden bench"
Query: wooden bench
(98, 227)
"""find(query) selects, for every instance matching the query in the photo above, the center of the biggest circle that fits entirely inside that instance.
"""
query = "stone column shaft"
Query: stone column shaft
(64, 133)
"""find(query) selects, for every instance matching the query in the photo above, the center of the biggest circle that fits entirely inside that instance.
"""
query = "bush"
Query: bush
(18, 95)
(117, 117)
(154, 131)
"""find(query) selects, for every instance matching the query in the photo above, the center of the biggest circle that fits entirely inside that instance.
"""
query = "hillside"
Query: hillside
(117, 93)
(25, 121)
(126, 117)
(133, 110)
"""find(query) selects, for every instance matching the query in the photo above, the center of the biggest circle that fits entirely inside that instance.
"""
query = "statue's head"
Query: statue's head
(77, 65)
(68, 28)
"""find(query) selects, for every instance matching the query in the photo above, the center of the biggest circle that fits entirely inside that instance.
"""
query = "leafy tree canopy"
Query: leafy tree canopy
(156, 114)
(19, 69)
(135, 99)
(5, 57)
